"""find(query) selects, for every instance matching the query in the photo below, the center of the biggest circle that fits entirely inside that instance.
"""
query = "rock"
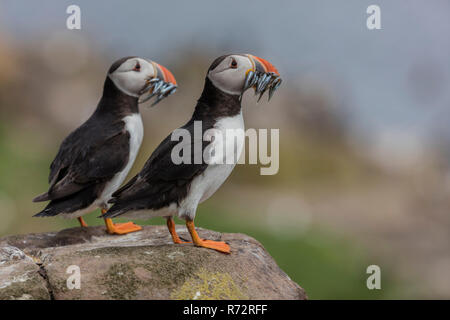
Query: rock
(20, 276)
(140, 265)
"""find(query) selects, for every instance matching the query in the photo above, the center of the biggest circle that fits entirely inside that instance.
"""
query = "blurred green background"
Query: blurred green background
(364, 141)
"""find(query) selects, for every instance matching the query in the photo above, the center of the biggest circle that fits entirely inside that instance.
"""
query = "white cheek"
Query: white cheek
(128, 83)
(132, 82)
(230, 81)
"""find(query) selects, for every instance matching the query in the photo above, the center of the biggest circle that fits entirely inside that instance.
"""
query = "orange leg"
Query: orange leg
(82, 223)
(216, 245)
(120, 228)
(173, 233)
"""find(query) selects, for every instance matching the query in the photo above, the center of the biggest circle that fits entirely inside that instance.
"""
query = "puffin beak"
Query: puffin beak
(264, 76)
(162, 85)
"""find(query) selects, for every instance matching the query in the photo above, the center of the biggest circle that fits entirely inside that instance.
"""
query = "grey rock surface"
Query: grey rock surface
(140, 265)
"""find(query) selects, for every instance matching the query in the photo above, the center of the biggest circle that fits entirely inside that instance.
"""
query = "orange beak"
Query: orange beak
(262, 77)
(165, 74)
(162, 85)
(264, 66)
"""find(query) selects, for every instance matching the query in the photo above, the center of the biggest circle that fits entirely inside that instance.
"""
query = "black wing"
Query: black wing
(160, 182)
(90, 155)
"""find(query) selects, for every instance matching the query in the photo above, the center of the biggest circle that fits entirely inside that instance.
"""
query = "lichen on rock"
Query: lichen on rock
(19, 276)
(121, 282)
(206, 285)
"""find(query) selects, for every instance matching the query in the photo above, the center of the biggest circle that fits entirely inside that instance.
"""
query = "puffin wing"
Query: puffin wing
(160, 178)
(78, 166)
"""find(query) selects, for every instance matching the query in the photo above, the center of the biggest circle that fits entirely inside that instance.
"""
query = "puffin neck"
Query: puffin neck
(215, 103)
(115, 101)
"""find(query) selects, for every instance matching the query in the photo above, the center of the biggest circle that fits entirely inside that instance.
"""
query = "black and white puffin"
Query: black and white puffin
(93, 161)
(164, 188)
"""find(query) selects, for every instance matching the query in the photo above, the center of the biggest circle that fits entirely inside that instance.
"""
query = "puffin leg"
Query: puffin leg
(216, 245)
(82, 222)
(120, 228)
(171, 226)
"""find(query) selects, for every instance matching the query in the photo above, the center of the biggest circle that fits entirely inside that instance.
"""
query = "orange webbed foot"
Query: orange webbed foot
(124, 228)
(215, 245)
(120, 228)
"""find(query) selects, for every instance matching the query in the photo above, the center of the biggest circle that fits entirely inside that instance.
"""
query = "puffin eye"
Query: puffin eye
(233, 64)
(137, 67)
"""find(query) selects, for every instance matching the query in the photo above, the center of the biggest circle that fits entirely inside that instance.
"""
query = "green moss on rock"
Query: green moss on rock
(206, 285)
(171, 267)
(121, 282)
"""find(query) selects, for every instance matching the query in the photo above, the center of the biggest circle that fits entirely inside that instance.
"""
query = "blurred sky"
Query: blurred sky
(395, 79)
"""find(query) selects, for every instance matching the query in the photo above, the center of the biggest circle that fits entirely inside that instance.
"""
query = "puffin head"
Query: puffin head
(142, 78)
(235, 73)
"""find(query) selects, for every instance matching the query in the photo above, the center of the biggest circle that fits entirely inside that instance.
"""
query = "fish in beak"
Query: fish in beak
(262, 77)
(161, 85)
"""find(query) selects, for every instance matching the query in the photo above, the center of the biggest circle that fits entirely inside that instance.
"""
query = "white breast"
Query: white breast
(134, 126)
(206, 184)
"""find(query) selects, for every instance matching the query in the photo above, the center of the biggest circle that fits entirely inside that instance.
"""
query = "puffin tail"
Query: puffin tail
(70, 204)
(42, 197)
(49, 211)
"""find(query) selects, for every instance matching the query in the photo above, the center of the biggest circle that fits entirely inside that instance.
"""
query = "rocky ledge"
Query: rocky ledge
(87, 263)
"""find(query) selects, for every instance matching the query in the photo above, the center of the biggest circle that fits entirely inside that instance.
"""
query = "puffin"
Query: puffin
(166, 187)
(93, 161)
